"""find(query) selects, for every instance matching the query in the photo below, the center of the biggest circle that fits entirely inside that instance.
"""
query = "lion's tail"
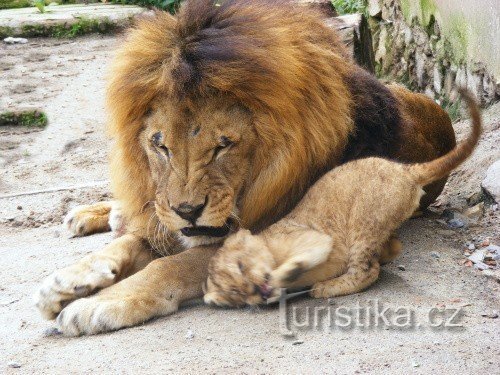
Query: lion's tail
(425, 173)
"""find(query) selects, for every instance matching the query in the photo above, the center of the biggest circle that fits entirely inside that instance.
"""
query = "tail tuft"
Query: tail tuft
(425, 173)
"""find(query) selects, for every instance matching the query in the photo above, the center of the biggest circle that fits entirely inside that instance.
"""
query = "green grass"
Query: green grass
(10, 4)
(170, 5)
(349, 6)
(82, 27)
(30, 119)
(453, 109)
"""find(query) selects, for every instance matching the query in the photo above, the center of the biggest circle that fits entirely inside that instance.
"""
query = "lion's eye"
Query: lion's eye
(157, 140)
(224, 144)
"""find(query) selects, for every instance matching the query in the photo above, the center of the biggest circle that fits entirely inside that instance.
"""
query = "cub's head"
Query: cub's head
(199, 155)
(240, 272)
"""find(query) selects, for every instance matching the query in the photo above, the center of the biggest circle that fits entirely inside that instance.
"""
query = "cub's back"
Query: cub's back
(364, 191)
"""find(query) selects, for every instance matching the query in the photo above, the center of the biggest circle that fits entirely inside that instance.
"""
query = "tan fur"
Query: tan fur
(276, 82)
(337, 236)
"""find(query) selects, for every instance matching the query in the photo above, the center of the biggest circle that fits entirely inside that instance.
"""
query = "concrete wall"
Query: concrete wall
(472, 26)
(436, 45)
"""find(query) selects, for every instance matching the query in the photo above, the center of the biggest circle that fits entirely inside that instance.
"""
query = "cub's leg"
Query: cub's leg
(363, 271)
(157, 290)
(306, 249)
(121, 258)
(88, 219)
(391, 250)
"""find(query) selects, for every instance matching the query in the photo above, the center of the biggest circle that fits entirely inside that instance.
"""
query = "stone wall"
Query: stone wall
(429, 47)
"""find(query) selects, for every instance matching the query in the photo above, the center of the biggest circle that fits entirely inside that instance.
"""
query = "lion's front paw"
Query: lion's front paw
(87, 219)
(111, 311)
(92, 315)
(70, 283)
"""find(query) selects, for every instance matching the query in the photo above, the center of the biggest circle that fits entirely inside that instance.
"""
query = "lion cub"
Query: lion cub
(337, 236)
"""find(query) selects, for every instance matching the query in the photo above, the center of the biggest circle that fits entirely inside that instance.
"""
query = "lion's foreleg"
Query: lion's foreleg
(157, 290)
(121, 258)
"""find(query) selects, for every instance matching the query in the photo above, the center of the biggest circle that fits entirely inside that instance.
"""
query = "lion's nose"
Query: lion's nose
(189, 212)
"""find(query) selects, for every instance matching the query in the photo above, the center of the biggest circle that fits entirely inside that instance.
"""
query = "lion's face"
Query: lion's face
(240, 272)
(199, 155)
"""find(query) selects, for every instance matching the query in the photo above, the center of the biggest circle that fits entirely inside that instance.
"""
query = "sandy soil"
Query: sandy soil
(70, 155)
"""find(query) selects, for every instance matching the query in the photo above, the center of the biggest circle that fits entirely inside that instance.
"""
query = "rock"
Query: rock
(475, 198)
(491, 315)
(494, 249)
(12, 40)
(477, 256)
(475, 212)
(475, 85)
(471, 246)
(401, 267)
(481, 266)
(189, 335)
(435, 254)
(456, 223)
(438, 79)
(13, 364)
(491, 183)
(492, 274)
(52, 331)
(375, 8)
(461, 78)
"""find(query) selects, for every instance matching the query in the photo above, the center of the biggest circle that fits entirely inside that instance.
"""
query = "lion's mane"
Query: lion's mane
(278, 60)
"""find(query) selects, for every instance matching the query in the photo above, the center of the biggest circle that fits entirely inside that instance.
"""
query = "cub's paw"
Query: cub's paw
(70, 283)
(87, 219)
(320, 290)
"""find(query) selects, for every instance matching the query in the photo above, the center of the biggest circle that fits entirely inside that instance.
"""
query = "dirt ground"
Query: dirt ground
(65, 165)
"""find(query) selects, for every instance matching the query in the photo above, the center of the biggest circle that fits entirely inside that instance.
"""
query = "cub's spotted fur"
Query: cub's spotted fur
(338, 235)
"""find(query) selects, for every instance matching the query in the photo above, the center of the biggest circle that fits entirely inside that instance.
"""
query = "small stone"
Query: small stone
(471, 246)
(493, 274)
(415, 364)
(494, 249)
(481, 266)
(485, 242)
(435, 254)
(52, 331)
(491, 183)
(19, 207)
(13, 364)
(477, 256)
(456, 223)
(491, 315)
(189, 335)
(401, 267)
(297, 342)
(11, 40)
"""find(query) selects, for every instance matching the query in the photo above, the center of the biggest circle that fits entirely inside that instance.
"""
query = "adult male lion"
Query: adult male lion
(225, 114)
